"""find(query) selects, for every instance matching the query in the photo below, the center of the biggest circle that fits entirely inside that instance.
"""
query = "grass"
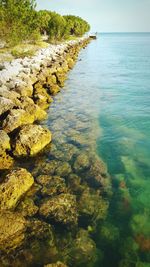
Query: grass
(21, 50)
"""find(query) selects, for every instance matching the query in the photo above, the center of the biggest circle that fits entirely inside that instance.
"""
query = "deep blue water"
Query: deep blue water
(110, 85)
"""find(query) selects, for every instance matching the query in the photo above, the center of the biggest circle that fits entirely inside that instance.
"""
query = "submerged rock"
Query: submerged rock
(52, 185)
(92, 207)
(15, 185)
(27, 207)
(82, 162)
(83, 250)
(30, 140)
(64, 169)
(61, 208)
(12, 230)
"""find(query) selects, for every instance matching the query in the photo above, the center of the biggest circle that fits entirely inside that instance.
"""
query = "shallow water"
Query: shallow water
(104, 109)
(111, 86)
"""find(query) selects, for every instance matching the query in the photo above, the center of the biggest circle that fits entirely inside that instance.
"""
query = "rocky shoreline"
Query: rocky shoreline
(67, 191)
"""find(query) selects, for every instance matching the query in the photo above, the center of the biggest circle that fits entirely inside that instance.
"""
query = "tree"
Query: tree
(57, 27)
(18, 20)
(44, 17)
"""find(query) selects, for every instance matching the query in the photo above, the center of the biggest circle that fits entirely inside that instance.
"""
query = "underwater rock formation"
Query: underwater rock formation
(61, 208)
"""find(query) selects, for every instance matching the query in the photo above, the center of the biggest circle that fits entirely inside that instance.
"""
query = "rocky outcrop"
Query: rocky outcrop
(15, 185)
(30, 140)
(61, 209)
(12, 230)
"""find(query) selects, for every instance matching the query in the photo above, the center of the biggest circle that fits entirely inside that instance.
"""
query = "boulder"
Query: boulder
(27, 207)
(12, 230)
(61, 209)
(29, 106)
(15, 185)
(64, 169)
(41, 97)
(83, 250)
(51, 185)
(30, 140)
(82, 162)
(14, 96)
(5, 104)
(4, 141)
(6, 161)
(92, 207)
(17, 118)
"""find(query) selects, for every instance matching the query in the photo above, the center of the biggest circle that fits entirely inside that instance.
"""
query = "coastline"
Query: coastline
(48, 196)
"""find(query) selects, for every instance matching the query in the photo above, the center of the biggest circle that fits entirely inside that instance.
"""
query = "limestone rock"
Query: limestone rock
(30, 140)
(12, 230)
(6, 161)
(4, 141)
(64, 169)
(61, 208)
(27, 207)
(5, 104)
(41, 97)
(17, 118)
(29, 106)
(83, 250)
(15, 185)
(52, 185)
(82, 162)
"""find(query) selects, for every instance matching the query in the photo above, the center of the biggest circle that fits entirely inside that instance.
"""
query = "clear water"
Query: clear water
(111, 86)
(104, 109)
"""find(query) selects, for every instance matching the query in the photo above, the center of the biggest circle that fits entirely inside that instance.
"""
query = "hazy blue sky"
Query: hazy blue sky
(105, 15)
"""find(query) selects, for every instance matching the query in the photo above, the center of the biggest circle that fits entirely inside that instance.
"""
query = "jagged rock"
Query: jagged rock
(23, 88)
(14, 96)
(17, 118)
(12, 230)
(5, 104)
(6, 161)
(61, 208)
(4, 141)
(15, 185)
(28, 105)
(30, 140)
(57, 264)
(41, 97)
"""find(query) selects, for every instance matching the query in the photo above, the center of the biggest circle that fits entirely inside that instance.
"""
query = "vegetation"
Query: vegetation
(19, 22)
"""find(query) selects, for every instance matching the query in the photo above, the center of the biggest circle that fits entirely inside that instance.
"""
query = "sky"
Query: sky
(105, 15)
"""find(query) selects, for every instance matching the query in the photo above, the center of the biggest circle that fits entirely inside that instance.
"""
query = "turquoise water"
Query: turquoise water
(123, 66)
(110, 85)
